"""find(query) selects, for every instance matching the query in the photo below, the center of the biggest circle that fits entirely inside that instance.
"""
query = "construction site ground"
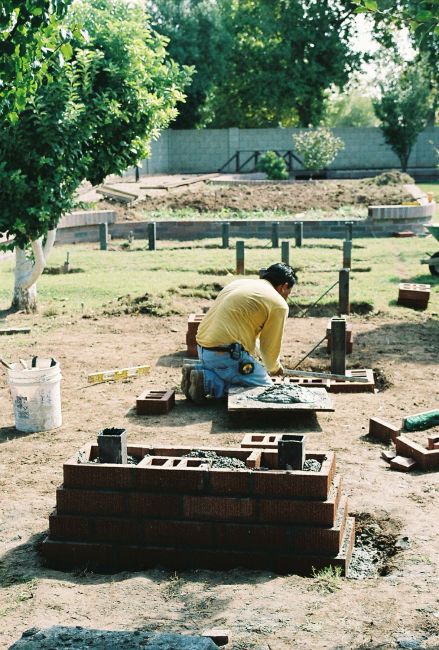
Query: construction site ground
(397, 513)
(261, 610)
(244, 192)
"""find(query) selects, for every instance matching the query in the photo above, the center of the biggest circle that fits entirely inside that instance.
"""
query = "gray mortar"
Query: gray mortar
(215, 461)
(285, 394)
(59, 637)
(312, 465)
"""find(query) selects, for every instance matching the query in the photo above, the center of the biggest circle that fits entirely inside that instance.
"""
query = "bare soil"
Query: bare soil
(261, 610)
(240, 196)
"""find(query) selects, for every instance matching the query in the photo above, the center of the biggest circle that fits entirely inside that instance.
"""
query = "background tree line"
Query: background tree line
(265, 63)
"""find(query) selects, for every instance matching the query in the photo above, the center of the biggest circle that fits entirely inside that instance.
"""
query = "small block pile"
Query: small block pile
(193, 323)
(155, 402)
(414, 295)
(349, 340)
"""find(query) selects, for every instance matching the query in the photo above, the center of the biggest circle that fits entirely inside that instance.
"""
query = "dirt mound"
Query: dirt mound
(289, 198)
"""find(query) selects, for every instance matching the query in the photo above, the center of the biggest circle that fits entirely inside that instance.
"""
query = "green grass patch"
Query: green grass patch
(177, 270)
(432, 187)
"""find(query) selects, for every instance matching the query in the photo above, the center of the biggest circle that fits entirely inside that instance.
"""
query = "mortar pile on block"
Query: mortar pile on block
(193, 323)
(214, 508)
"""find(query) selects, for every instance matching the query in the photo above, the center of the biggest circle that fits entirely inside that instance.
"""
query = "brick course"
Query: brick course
(178, 512)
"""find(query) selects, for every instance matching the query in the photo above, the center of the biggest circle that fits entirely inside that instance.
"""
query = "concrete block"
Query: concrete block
(382, 429)
(155, 402)
(402, 463)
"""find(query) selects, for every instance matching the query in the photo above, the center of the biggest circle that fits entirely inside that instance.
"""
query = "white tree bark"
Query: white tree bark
(27, 272)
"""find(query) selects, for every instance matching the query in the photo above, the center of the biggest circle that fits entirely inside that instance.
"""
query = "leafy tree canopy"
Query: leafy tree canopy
(197, 37)
(285, 54)
(403, 110)
(30, 34)
(94, 116)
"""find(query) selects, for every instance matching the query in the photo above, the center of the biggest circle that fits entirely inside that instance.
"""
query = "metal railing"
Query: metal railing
(241, 159)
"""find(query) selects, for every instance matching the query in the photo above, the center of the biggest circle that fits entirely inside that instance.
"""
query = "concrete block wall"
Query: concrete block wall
(206, 150)
(179, 512)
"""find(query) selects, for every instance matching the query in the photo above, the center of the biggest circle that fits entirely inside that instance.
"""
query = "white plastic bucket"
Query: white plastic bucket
(36, 394)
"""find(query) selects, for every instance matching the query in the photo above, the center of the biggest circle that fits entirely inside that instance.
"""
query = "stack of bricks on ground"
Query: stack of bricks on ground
(414, 295)
(349, 339)
(426, 458)
(174, 511)
(193, 323)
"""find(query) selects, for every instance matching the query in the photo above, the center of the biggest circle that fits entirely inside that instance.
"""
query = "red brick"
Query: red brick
(172, 479)
(212, 508)
(177, 533)
(72, 527)
(254, 460)
(343, 386)
(305, 512)
(402, 463)
(227, 482)
(76, 501)
(162, 506)
(219, 637)
(349, 340)
(297, 483)
(66, 554)
(425, 458)
(260, 440)
(414, 292)
(432, 441)
(382, 429)
(193, 322)
(155, 402)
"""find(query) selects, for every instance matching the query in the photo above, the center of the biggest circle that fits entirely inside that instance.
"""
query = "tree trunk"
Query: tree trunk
(27, 272)
(25, 298)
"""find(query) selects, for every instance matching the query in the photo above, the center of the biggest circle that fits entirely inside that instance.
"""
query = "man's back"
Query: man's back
(243, 311)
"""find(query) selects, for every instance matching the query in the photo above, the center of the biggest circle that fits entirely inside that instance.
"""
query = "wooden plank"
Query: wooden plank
(242, 399)
(15, 330)
(117, 195)
(181, 183)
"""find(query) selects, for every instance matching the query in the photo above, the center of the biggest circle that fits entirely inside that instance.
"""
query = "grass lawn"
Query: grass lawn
(179, 269)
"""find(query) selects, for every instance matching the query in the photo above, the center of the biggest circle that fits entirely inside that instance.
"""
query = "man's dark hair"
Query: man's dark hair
(279, 273)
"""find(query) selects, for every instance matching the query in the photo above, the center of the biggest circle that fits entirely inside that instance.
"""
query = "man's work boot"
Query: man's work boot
(196, 390)
(186, 379)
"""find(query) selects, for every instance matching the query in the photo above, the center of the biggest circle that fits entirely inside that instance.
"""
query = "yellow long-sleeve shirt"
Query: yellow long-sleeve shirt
(244, 311)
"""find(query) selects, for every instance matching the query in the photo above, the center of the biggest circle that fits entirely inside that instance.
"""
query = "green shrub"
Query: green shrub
(317, 148)
(274, 166)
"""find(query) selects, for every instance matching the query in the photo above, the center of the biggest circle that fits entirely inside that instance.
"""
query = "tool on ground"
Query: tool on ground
(323, 375)
(117, 374)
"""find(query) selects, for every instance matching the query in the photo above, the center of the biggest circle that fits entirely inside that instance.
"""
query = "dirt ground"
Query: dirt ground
(261, 610)
(285, 197)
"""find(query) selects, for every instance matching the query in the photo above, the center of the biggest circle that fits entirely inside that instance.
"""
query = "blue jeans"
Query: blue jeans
(221, 372)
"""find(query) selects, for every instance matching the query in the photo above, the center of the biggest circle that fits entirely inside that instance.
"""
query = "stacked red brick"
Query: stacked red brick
(414, 295)
(178, 512)
(155, 402)
(193, 322)
(349, 340)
